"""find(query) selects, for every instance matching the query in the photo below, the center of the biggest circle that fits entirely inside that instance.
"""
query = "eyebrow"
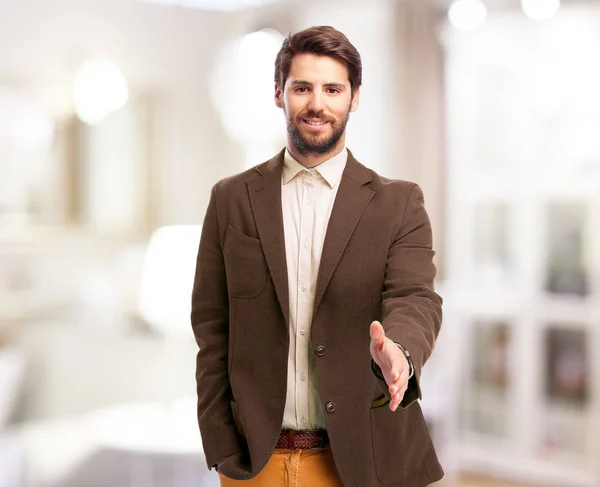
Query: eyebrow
(332, 84)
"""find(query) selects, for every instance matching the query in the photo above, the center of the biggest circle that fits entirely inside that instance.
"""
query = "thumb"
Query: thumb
(377, 334)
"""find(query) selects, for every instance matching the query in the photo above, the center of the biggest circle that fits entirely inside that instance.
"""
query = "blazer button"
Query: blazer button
(320, 351)
(330, 407)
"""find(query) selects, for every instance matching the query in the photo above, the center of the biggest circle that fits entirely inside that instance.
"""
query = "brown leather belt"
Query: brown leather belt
(302, 440)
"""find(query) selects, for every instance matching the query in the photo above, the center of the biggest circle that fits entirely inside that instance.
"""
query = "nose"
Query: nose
(316, 102)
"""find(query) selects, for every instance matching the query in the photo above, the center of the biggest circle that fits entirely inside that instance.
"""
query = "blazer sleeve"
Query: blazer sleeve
(412, 310)
(210, 324)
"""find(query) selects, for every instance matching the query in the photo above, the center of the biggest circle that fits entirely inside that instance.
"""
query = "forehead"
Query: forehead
(318, 69)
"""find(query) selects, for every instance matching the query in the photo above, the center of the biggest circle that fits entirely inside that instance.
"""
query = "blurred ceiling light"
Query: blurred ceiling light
(243, 88)
(540, 9)
(100, 88)
(467, 14)
(216, 5)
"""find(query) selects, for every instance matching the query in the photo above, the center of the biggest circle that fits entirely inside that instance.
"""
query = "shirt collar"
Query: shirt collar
(331, 170)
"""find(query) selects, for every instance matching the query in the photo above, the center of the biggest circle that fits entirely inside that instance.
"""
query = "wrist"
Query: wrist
(411, 368)
(408, 359)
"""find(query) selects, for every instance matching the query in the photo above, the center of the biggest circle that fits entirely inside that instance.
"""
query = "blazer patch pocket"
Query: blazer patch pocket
(386, 428)
(245, 264)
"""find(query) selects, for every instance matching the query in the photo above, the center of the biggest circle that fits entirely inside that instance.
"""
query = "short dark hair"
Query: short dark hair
(323, 41)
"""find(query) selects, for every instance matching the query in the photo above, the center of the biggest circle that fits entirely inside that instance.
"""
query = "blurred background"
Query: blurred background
(118, 116)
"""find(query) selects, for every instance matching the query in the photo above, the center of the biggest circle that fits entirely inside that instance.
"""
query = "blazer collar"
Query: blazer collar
(264, 191)
(353, 170)
(330, 171)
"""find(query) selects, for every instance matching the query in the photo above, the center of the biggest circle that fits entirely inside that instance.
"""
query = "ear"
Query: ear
(355, 99)
(278, 96)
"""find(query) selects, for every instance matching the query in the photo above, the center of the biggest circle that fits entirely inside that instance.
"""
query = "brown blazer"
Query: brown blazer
(376, 265)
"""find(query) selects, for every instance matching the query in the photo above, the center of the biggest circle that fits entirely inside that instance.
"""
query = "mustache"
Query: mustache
(313, 114)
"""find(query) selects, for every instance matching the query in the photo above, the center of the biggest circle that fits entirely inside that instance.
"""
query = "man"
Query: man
(313, 303)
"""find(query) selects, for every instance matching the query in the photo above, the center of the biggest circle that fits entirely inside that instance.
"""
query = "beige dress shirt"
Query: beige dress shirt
(307, 197)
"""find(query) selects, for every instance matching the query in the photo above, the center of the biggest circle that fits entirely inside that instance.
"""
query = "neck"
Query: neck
(312, 160)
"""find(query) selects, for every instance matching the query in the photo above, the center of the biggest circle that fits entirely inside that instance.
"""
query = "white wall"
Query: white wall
(164, 52)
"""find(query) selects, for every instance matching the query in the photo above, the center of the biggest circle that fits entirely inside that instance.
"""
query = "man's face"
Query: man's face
(317, 101)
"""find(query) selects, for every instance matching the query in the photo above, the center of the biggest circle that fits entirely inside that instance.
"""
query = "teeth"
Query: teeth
(315, 123)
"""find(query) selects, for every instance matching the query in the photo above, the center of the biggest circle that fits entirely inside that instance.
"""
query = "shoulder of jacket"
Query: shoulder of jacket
(236, 181)
(386, 183)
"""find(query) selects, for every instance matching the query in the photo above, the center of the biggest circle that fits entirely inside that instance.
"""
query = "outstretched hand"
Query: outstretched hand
(394, 365)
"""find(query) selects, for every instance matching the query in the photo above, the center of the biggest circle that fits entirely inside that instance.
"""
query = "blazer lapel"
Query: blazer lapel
(351, 201)
(265, 200)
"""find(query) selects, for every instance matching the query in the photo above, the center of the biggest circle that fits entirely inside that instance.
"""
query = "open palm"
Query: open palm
(392, 362)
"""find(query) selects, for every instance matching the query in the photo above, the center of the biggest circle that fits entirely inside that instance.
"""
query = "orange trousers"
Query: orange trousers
(293, 468)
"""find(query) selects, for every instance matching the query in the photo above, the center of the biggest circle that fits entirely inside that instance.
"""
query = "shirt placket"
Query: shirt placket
(307, 217)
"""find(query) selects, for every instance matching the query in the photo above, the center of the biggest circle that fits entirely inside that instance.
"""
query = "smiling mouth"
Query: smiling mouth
(315, 123)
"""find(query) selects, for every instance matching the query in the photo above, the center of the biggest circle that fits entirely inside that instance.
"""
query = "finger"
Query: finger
(399, 370)
(377, 335)
(397, 399)
(395, 374)
(400, 384)
(396, 360)
(397, 387)
(395, 402)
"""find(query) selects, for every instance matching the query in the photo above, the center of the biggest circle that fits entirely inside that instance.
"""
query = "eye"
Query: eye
(333, 91)
(301, 89)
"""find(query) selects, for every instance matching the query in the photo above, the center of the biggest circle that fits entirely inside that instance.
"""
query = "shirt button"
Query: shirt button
(302, 421)
(305, 243)
(320, 350)
(309, 174)
(330, 407)
(303, 288)
(307, 202)
(301, 376)
(302, 332)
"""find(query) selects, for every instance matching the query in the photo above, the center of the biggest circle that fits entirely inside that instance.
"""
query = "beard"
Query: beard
(307, 144)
